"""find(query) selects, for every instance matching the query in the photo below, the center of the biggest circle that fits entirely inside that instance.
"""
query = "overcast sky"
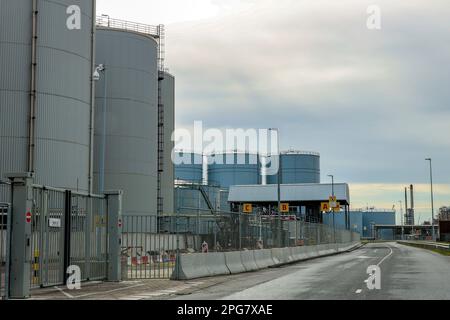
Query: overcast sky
(374, 103)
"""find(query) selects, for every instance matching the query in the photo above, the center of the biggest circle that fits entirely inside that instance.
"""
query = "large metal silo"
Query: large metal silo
(234, 168)
(126, 118)
(188, 166)
(298, 167)
(45, 91)
(168, 175)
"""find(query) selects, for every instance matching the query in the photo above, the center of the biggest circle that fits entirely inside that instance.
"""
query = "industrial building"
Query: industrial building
(90, 109)
(364, 221)
(240, 179)
(304, 200)
(444, 224)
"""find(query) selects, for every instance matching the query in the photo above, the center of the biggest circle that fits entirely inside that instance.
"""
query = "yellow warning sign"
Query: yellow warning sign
(325, 207)
(285, 208)
(248, 208)
(337, 208)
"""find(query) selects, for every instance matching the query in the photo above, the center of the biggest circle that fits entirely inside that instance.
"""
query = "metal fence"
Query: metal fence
(68, 228)
(4, 238)
(4, 249)
(150, 255)
(145, 253)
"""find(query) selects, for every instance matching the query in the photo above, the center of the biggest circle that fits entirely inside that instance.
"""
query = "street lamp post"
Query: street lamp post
(432, 199)
(278, 184)
(332, 209)
(98, 69)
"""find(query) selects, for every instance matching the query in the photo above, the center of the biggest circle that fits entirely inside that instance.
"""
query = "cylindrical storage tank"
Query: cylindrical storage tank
(188, 166)
(298, 167)
(126, 118)
(56, 143)
(234, 168)
(168, 176)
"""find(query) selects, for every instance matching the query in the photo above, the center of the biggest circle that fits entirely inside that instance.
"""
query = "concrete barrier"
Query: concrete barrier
(233, 261)
(263, 258)
(248, 260)
(216, 264)
(200, 265)
(191, 266)
(348, 246)
(282, 256)
(299, 253)
(327, 249)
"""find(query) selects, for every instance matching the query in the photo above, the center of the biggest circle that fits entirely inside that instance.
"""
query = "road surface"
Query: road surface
(406, 273)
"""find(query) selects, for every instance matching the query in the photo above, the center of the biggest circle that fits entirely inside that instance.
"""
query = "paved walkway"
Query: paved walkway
(127, 290)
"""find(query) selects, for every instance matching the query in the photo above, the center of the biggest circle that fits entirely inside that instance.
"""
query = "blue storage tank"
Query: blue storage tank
(298, 167)
(188, 166)
(235, 168)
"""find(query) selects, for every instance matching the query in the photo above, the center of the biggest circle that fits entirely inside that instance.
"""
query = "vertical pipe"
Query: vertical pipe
(92, 109)
(103, 155)
(32, 116)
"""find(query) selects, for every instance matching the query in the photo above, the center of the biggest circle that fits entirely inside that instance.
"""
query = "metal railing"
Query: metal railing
(157, 32)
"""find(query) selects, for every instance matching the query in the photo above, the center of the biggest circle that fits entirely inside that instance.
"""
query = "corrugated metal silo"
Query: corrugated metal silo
(126, 120)
(168, 176)
(188, 166)
(235, 168)
(48, 132)
(298, 167)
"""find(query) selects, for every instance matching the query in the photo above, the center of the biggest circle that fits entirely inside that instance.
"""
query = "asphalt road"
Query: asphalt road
(406, 273)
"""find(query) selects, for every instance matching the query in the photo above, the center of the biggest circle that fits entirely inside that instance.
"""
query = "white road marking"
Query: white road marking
(358, 291)
(64, 293)
(160, 293)
(96, 293)
(384, 259)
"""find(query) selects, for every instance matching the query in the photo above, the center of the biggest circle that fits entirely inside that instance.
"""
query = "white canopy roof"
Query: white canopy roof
(289, 193)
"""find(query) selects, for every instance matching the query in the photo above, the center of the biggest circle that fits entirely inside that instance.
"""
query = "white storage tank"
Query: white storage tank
(126, 119)
(45, 98)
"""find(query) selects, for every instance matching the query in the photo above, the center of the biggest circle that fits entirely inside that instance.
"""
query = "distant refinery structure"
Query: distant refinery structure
(410, 212)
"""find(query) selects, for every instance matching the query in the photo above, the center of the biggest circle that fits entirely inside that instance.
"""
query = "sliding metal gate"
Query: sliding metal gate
(68, 228)
(4, 249)
(5, 208)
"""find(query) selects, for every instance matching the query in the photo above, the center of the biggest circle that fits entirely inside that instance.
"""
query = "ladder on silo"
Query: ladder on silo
(161, 75)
